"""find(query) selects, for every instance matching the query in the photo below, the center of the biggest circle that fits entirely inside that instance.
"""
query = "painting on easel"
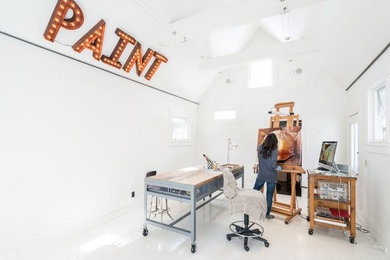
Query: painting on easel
(289, 142)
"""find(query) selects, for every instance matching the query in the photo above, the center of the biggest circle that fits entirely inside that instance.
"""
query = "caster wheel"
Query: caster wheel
(310, 231)
(266, 244)
(145, 232)
(286, 222)
(193, 248)
(246, 248)
(351, 240)
(228, 237)
(308, 218)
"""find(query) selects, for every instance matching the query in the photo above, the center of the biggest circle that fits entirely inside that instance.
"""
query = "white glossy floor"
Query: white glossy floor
(122, 239)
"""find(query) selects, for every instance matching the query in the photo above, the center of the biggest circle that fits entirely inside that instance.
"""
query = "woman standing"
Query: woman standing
(268, 155)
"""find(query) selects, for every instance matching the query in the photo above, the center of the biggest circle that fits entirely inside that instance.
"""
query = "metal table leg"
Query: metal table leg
(193, 221)
(145, 230)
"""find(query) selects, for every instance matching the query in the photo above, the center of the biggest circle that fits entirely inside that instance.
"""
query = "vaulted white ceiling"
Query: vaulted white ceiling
(202, 37)
(338, 37)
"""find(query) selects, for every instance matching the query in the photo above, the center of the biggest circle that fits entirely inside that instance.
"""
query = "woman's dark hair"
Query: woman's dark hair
(269, 144)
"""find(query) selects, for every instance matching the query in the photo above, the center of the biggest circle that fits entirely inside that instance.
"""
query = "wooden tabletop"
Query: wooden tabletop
(191, 176)
(287, 168)
(330, 176)
(291, 168)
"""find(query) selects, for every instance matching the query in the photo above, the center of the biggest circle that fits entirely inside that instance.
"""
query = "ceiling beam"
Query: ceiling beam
(275, 50)
(233, 14)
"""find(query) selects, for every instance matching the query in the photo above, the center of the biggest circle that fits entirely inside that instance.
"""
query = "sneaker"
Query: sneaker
(269, 216)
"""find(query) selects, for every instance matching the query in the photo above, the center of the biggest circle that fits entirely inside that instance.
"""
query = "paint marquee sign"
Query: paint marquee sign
(93, 40)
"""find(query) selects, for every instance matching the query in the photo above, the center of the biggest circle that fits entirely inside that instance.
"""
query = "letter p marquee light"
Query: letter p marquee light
(58, 19)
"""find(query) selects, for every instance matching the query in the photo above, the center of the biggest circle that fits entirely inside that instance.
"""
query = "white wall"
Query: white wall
(373, 181)
(75, 141)
(319, 101)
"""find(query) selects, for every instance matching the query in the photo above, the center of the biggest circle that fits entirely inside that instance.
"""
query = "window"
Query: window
(180, 129)
(225, 115)
(379, 114)
(261, 74)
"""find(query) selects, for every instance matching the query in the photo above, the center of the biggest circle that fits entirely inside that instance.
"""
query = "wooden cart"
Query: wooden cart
(348, 224)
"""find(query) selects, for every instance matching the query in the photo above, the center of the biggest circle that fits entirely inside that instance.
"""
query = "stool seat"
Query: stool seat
(251, 203)
(158, 207)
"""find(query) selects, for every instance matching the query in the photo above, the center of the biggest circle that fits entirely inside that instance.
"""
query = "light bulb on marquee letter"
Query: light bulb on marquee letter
(156, 63)
(136, 57)
(118, 50)
(92, 40)
(58, 19)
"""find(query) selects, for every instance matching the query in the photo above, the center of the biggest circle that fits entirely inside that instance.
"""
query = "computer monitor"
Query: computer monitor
(328, 150)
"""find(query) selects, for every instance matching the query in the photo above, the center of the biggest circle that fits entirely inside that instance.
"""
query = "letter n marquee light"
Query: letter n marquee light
(136, 57)
(58, 19)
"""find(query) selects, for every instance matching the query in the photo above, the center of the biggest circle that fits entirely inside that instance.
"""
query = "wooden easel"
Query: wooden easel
(288, 210)
(290, 118)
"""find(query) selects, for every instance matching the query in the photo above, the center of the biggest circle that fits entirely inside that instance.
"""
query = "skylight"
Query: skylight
(261, 74)
(225, 115)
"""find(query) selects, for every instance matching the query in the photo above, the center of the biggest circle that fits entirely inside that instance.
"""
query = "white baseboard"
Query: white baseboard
(381, 240)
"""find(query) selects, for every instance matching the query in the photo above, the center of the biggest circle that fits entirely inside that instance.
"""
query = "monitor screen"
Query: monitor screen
(328, 150)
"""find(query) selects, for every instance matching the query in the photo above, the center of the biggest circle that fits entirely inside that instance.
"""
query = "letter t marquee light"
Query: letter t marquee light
(157, 62)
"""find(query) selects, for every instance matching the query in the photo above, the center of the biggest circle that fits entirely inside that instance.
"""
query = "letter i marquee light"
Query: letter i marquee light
(93, 41)
(119, 48)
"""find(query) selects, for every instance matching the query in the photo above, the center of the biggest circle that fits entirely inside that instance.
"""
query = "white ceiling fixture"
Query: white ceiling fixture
(285, 19)
(177, 35)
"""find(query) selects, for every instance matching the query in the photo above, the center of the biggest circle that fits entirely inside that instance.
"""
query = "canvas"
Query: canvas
(289, 143)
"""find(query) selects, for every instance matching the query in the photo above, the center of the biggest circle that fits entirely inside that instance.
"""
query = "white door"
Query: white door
(354, 143)
(354, 156)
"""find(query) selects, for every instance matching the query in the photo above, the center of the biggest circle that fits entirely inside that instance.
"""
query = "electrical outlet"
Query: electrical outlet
(133, 194)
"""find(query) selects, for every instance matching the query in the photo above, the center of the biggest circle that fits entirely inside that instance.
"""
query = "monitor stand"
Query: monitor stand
(322, 169)
(335, 168)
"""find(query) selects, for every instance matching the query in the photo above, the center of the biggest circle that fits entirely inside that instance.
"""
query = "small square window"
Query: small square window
(180, 129)
(261, 74)
(225, 115)
(379, 114)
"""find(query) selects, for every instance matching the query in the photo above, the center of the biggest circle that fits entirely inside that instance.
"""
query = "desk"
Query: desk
(189, 186)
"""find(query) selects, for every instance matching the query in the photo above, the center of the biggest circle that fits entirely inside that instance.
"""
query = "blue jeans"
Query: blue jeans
(270, 192)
